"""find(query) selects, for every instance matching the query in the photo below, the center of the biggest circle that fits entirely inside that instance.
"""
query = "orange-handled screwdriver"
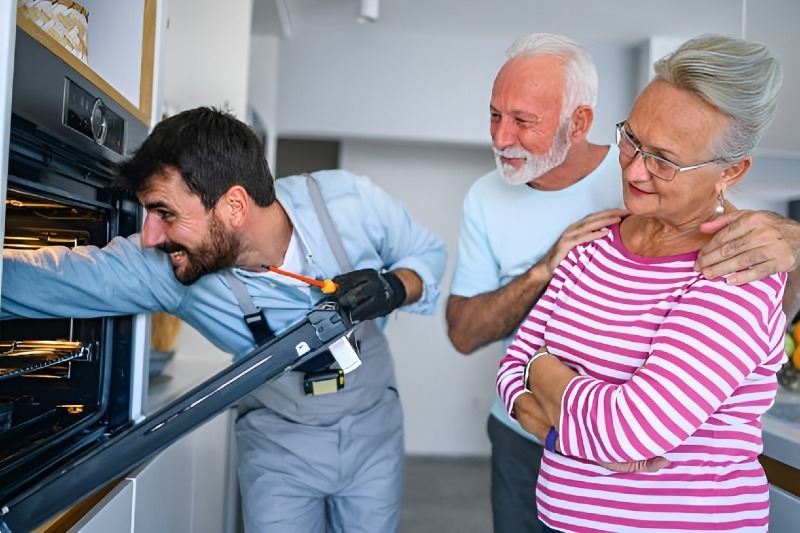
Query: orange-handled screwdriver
(327, 286)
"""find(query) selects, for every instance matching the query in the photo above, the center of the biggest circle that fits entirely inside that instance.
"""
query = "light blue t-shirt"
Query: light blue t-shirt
(125, 278)
(506, 229)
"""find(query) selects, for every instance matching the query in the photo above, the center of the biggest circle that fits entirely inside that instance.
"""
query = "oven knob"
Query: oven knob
(99, 123)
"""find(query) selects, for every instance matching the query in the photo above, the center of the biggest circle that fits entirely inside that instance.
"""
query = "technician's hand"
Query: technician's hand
(749, 245)
(367, 294)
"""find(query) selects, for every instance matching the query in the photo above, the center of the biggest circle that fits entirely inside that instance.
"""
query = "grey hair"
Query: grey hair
(580, 72)
(739, 78)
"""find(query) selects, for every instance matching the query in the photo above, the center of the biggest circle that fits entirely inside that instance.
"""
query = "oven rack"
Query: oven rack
(18, 358)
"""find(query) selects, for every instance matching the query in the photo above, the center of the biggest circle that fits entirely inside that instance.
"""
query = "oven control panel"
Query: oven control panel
(89, 115)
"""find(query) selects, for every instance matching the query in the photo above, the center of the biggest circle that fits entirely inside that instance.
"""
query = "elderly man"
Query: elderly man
(549, 175)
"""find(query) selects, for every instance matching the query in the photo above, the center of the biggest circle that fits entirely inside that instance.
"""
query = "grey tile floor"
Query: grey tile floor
(445, 494)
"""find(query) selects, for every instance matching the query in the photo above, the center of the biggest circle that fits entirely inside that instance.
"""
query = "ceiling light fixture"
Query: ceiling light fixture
(369, 11)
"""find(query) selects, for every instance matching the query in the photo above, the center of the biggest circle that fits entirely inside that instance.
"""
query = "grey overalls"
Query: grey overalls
(335, 458)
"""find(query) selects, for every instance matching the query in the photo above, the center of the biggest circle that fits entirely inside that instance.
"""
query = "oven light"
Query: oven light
(72, 409)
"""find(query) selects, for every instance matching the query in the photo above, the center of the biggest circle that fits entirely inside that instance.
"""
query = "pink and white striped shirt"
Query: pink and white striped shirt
(712, 351)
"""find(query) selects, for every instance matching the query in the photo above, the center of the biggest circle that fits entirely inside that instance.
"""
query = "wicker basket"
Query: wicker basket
(64, 20)
(164, 331)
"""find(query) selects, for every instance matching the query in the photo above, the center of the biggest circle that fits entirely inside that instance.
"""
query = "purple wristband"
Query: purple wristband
(550, 440)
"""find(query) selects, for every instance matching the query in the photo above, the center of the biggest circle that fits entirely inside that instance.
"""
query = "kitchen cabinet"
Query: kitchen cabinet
(122, 57)
(784, 510)
(185, 488)
(206, 61)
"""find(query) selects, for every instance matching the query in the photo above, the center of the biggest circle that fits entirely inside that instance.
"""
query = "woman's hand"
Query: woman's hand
(529, 414)
(648, 465)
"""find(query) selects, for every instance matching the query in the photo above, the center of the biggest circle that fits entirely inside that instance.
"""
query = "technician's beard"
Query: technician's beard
(218, 251)
(535, 165)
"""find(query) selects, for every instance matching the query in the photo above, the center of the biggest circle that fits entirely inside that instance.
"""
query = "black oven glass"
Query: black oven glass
(64, 383)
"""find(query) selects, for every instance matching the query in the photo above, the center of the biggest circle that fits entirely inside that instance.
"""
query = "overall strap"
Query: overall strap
(253, 316)
(327, 224)
(335, 241)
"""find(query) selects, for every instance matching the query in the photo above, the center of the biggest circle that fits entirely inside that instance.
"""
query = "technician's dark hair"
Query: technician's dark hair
(212, 150)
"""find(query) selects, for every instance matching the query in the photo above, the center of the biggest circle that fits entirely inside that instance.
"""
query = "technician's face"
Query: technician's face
(528, 135)
(197, 240)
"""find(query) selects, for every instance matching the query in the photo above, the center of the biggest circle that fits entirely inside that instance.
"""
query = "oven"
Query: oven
(72, 391)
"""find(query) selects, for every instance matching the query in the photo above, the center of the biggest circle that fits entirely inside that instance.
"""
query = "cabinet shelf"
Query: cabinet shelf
(141, 109)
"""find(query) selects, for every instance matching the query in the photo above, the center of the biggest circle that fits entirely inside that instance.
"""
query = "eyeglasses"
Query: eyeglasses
(657, 166)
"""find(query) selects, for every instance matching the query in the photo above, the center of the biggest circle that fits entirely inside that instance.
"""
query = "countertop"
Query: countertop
(781, 428)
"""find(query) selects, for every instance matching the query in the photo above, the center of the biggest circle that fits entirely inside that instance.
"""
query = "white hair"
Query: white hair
(739, 78)
(580, 73)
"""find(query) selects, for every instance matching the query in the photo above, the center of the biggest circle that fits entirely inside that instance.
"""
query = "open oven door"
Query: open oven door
(103, 461)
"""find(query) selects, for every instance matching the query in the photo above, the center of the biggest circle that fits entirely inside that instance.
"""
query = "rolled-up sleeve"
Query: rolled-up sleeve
(119, 279)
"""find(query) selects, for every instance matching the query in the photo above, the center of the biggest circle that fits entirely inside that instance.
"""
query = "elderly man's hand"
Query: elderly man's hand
(585, 230)
(749, 245)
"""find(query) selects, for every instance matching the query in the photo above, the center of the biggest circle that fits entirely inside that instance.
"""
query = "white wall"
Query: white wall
(207, 54)
(368, 84)
(401, 86)
(263, 86)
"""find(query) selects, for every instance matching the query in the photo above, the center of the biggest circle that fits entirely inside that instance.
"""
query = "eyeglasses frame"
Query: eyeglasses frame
(620, 132)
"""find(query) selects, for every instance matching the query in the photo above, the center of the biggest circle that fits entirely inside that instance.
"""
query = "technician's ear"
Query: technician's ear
(580, 123)
(234, 205)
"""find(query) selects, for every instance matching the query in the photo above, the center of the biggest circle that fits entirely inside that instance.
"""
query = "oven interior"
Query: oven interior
(64, 383)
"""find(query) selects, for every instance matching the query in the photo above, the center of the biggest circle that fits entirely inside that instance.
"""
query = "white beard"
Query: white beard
(535, 165)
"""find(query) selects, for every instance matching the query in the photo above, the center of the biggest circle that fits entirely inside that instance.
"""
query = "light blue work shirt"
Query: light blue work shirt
(506, 229)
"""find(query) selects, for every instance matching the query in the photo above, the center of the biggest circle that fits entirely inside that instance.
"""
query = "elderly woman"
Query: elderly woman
(646, 381)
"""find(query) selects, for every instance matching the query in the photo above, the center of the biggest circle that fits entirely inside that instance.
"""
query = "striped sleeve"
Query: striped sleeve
(530, 336)
(713, 340)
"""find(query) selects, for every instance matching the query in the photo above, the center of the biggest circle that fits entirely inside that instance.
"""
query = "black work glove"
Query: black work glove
(367, 294)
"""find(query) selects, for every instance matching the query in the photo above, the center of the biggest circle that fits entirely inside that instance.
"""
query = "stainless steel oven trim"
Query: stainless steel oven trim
(8, 17)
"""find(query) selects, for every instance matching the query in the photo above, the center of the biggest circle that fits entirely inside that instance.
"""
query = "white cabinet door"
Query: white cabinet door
(784, 510)
(186, 488)
(113, 513)
(214, 479)
(164, 490)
